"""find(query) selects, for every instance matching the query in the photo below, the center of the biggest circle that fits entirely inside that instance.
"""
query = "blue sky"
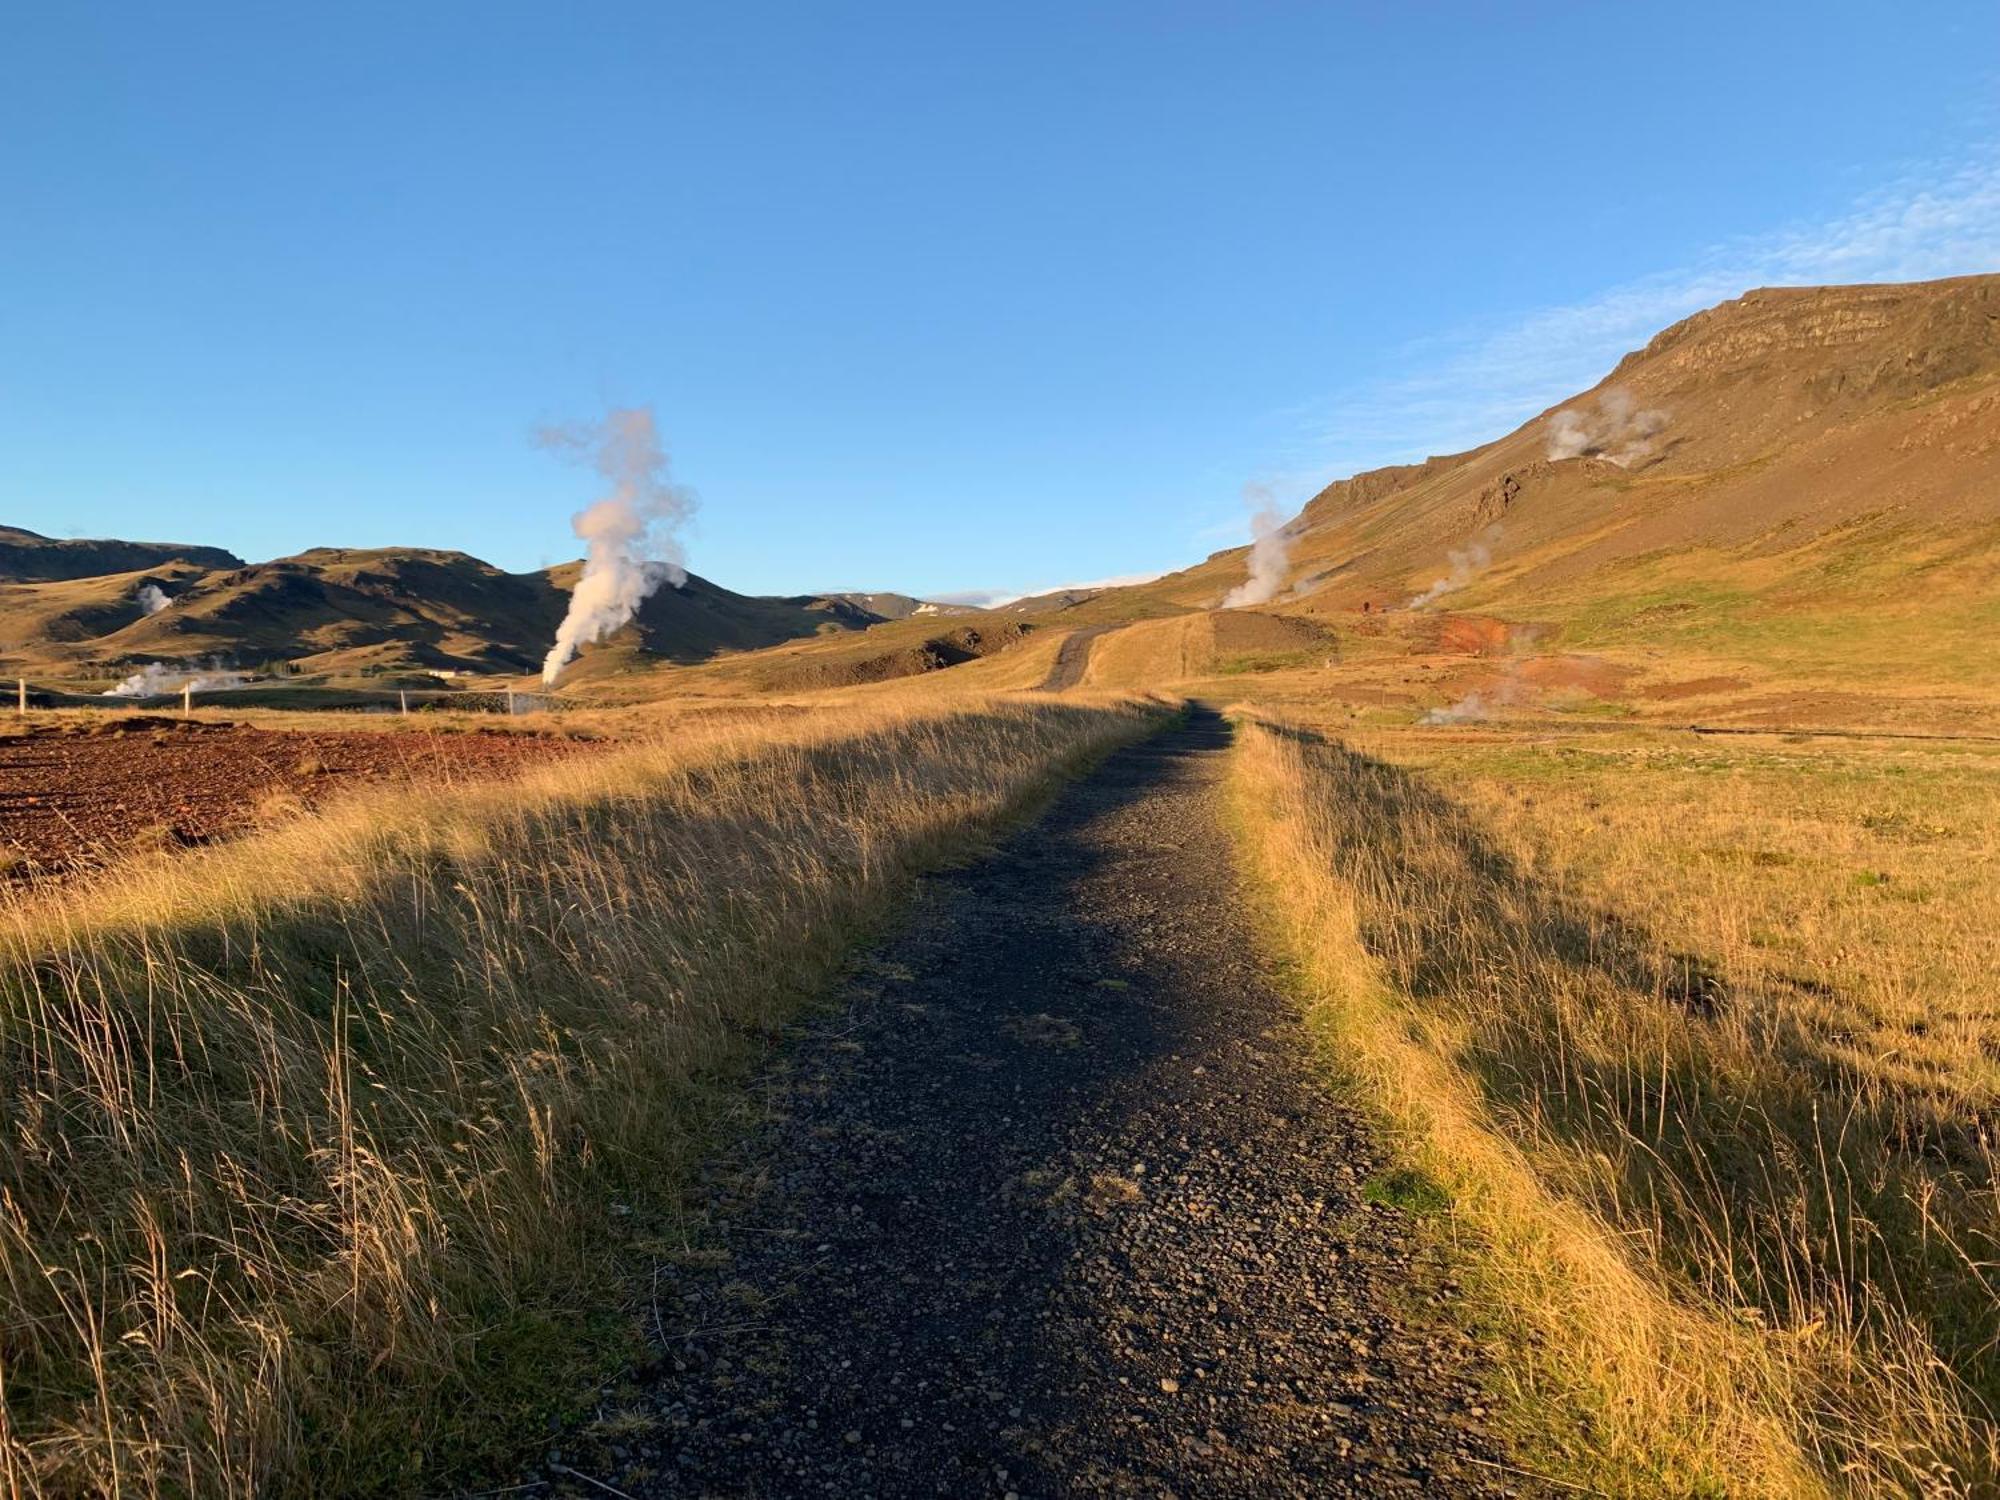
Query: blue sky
(930, 297)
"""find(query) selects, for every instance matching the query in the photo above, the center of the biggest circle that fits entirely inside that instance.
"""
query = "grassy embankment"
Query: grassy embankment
(328, 1154)
(1701, 1037)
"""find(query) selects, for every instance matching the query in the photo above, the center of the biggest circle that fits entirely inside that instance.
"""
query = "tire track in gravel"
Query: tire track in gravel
(1050, 1205)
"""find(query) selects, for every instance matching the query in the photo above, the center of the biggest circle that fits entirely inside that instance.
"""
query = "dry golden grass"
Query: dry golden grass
(1701, 1036)
(583, 721)
(1175, 649)
(325, 1152)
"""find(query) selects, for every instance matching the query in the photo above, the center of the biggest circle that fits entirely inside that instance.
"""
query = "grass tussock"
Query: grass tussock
(1747, 1245)
(324, 1151)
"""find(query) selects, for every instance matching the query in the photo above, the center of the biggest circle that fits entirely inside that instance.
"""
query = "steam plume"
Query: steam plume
(629, 544)
(1481, 703)
(1614, 430)
(152, 598)
(1467, 563)
(1511, 688)
(1270, 547)
(156, 679)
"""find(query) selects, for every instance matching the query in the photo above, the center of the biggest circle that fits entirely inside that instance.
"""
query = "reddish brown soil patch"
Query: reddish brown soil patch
(1528, 682)
(1472, 635)
(79, 796)
(1587, 674)
(1245, 630)
(1696, 687)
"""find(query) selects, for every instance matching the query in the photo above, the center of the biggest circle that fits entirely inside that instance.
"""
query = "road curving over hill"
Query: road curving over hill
(1073, 659)
(1049, 1204)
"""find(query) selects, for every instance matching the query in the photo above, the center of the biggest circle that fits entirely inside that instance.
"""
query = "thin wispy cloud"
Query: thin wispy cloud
(1456, 390)
(995, 598)
(1461, 390)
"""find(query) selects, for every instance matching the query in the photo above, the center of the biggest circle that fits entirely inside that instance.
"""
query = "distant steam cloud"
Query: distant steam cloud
(1468, 710)
(1511, 689)
(1466, 562)
(1481, 703)
(1613, 429)
(157, 679)
(152, 598)
(630, 548)
(1270, 549)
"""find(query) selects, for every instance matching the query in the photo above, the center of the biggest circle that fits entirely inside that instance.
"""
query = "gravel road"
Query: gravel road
(1050, 1204)
(1073, 659)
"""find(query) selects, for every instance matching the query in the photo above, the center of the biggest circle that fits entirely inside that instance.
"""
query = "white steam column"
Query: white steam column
(1270, 551)
(630, 548)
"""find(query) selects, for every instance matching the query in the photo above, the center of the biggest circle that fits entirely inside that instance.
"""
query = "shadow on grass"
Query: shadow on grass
(1692, 1114)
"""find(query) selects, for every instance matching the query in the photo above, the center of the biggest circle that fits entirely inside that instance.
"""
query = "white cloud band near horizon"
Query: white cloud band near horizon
(999, 598)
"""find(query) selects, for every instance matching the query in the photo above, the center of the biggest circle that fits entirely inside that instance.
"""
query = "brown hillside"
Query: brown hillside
(879, 605)
(699, 620)
(51, 620)
(831, 659)
(346, 611)
(28, 557)
(1805, 477)
(904, 657)
(1787, 414)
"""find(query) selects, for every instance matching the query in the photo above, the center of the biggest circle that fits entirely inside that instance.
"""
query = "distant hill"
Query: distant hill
(881, 606)
(1801, 476)
(344, 612)
(347, 610)
(1804, 479)
(28, 557)
(701, 619)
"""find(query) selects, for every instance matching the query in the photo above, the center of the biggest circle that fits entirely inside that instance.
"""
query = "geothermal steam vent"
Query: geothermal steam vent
(630, 546)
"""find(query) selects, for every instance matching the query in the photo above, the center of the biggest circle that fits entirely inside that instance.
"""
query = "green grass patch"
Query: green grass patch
(1267, 661)
(1409, 1188)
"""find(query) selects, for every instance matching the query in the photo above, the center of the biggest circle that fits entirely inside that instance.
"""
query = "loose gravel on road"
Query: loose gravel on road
(1051, 1204)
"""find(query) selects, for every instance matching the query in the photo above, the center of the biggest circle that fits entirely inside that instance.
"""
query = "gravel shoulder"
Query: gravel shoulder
(1050, 1204)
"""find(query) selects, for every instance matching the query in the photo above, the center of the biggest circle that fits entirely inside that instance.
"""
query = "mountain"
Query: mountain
(1805, 479)
(700, 619)
(1800, 485)
(28, 557)
(881, 606)
(346, 612)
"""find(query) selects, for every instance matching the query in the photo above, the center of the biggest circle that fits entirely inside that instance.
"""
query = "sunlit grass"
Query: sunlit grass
(325, 1151)
(1701, 1039)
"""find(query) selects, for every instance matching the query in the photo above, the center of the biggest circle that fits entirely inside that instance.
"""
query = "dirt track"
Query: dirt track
(73, 797)
(1073, 659)
(1050, 1205)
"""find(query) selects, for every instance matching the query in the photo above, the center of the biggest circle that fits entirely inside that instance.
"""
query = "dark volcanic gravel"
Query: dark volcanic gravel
(1051, 1206)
